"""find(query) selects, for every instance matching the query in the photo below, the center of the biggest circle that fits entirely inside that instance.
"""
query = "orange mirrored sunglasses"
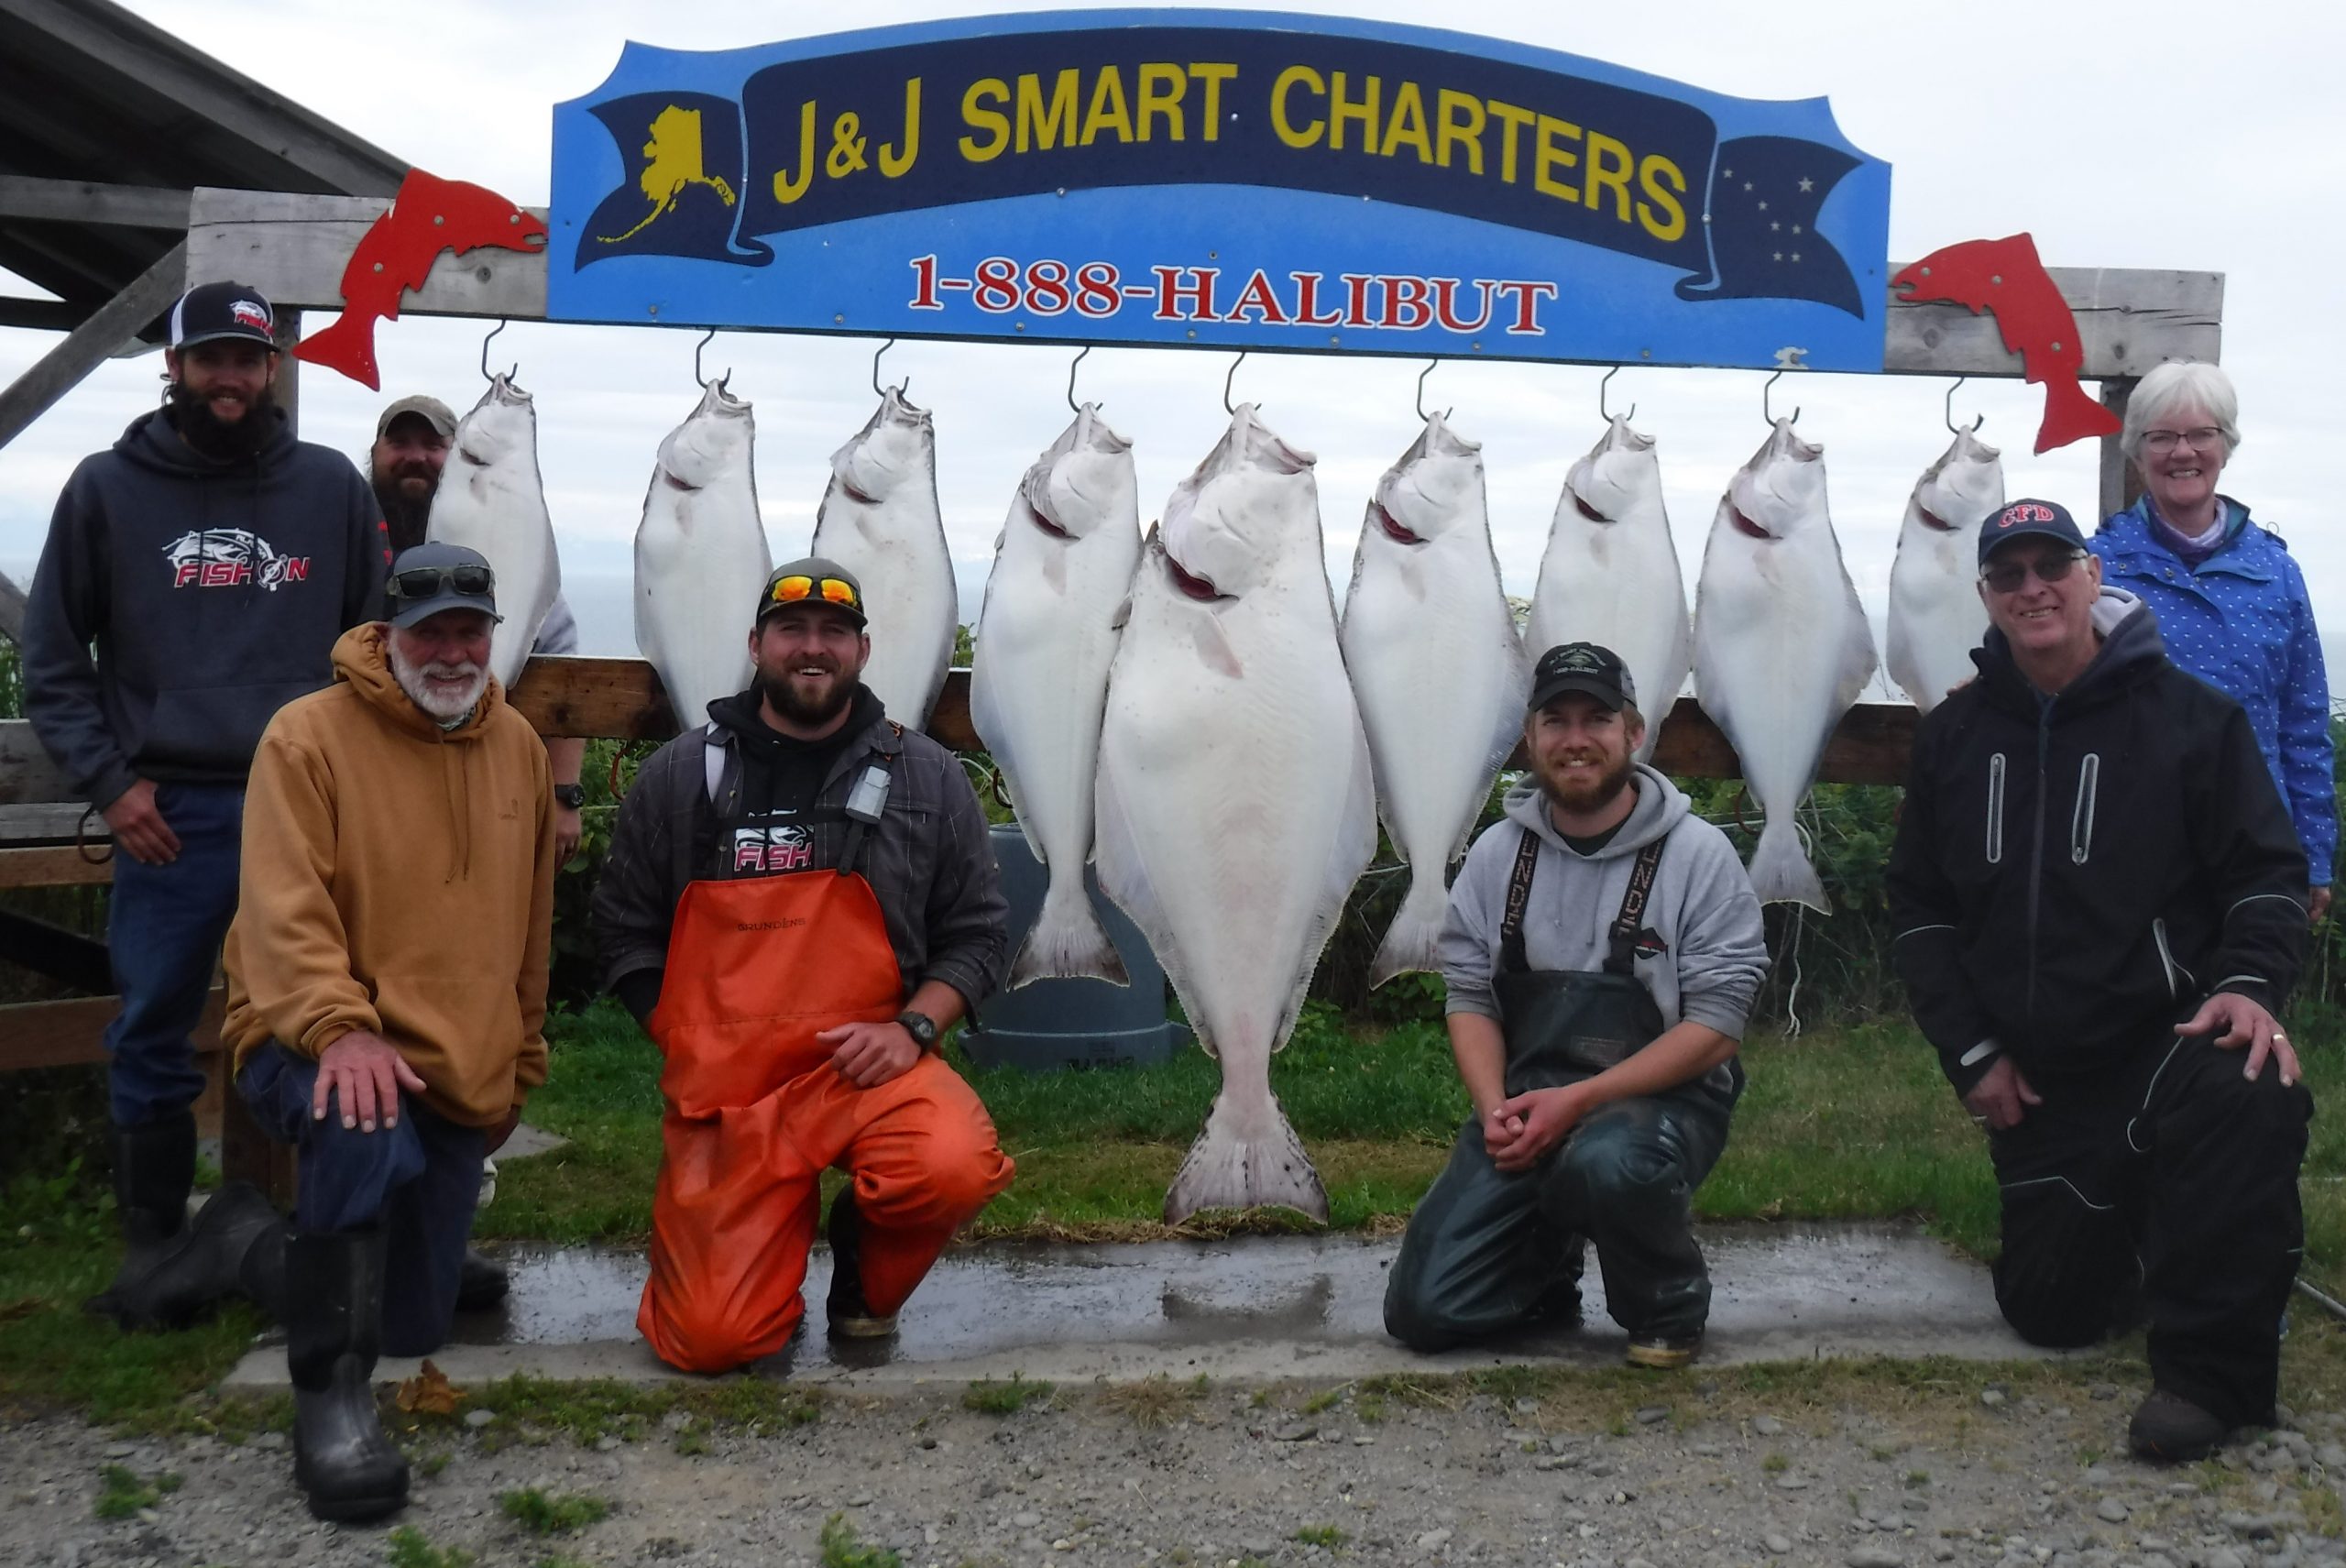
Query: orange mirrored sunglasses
(830, 590)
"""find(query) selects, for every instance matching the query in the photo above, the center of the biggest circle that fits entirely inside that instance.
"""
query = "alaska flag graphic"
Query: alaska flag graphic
(1765, 194)
(685, 152)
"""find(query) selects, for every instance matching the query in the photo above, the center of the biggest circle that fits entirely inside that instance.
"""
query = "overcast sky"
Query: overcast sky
(2154, 135)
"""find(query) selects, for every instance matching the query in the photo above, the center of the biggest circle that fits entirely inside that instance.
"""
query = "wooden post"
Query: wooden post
(2120, 484)
(288, 385)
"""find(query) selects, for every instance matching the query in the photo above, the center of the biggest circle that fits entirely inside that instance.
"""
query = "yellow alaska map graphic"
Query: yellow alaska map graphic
(672, 166)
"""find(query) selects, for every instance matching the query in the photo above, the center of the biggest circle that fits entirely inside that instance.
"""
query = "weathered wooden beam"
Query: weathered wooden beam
(87, 347)
(40, 315)
(56, 822)
(2119, 483)
(55, 865)
(88, 202)
(69, 957)
(26, 774)
(69, 1034)
(293, 248)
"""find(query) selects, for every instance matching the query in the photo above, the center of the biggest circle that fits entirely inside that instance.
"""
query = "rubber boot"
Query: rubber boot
(346, 1466)
(154, 1170)
(850, 1317)
(481, 1282)
(207, 1267)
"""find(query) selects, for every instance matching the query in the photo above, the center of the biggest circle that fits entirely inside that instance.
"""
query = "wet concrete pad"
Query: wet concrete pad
(1255, 1307)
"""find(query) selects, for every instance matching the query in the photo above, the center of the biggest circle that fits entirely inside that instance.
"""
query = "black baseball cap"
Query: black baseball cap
(2021, 517)
(433, 576)
(812, 580)
(1582, 667)
(212, 311)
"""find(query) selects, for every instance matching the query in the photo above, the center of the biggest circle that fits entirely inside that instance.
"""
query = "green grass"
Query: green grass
(125, 1493)
(1005, 1397)
(544, 1513)
(1325, 1535)
(408, 1548)
(842, 1548)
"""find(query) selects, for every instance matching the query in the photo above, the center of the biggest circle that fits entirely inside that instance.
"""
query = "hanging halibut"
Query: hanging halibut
(700, 542)
(1039, 682)
(1936, 614)
(492, 499)
(1781, 646)
(1611, 572)
(1438, 671)
(880, 520)
(1237, 803)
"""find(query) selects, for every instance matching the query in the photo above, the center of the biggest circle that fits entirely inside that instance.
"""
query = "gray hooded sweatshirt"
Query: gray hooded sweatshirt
(1701, 906)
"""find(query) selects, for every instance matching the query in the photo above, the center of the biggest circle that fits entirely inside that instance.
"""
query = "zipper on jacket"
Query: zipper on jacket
(2036, 853)
(2166, 961)
(2081, 818)
(1995, 809)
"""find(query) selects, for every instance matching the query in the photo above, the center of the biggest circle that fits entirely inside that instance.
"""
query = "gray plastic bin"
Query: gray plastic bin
(1071, 1023)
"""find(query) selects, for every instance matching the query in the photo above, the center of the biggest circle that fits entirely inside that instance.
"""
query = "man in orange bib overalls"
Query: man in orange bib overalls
(799, 898)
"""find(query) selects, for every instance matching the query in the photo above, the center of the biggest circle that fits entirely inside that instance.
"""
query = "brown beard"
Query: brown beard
(779, 695)
(1608, 788)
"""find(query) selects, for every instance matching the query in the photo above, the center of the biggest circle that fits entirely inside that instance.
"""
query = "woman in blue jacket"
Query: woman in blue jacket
(2230, 600)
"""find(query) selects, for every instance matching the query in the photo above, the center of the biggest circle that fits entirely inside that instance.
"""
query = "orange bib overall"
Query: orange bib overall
(755, 1112)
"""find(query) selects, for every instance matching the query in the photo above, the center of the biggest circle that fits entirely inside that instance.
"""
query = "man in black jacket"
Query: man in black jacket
(2098, 907)
(210, 560)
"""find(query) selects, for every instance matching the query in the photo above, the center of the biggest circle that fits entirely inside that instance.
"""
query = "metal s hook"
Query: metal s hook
(876, 388)
(1953, 427)
(486, 374)
(1070, 379)
(1229, 379)
(1768, 408)
(722, 381)
(1429, 370)
(1601, 411)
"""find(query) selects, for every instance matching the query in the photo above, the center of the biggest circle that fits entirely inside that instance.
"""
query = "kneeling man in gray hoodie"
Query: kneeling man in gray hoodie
(1602, 949)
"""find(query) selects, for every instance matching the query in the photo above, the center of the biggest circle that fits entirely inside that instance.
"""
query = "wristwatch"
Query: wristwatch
(920, 1026)
(572, 796)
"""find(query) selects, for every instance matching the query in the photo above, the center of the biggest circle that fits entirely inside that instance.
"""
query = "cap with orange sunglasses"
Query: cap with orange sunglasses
(813, 581)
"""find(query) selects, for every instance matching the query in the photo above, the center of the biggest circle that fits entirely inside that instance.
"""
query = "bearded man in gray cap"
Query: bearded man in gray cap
(208, 561)
(387, 992)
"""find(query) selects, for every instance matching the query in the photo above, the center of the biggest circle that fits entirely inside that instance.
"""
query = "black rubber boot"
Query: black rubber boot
(154, 1170)
(207, 1267)
(481, 1283)
(347, 1468)
(850, 1317)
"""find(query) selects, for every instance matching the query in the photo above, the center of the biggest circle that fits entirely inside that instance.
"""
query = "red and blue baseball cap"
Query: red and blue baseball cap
(2021, 517)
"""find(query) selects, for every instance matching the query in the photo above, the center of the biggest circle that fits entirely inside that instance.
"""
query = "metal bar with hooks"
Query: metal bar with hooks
(1953, 428)
(1228, 380)
(1070, 378)
(1766, 407)
(722, 381)
(1603, 413)
(486, 374)
(877, 389)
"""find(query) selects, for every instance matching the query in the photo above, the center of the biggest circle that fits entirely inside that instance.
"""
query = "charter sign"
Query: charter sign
(1222, 178)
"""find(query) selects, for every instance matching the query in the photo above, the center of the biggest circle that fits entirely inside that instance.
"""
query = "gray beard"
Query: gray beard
(446, 712)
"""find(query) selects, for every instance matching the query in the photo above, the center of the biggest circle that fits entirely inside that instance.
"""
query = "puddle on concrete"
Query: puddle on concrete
(1821, 1283)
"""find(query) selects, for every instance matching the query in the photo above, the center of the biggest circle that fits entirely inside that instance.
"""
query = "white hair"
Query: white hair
(2176, 385)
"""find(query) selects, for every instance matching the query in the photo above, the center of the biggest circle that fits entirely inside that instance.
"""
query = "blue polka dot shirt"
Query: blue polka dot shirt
(2241, 622)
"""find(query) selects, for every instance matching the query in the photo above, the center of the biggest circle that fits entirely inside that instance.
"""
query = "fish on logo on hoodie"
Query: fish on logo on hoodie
(492, 499)
(701, 545)
(1038, 682)
(1611, 575)
(1781, 648)
(1236, 802)
(879, 520)
(1937, 616)
(1438, 671)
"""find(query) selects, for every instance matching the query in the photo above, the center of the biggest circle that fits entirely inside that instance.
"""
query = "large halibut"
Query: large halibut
(1237, 803)
(1781, 648)
(879, 520)
(698, 550)
(492, 499)
(1936, 616)
(1038, 682)
(1436, 669)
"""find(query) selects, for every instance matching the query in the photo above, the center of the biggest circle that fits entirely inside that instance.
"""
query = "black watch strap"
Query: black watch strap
(570, 794)
(920, 1026)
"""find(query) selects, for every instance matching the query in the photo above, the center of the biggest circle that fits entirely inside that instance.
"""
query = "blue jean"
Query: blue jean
(418, 1180)
(164, 927)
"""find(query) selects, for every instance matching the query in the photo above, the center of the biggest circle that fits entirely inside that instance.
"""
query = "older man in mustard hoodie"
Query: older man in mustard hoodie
(387, 989)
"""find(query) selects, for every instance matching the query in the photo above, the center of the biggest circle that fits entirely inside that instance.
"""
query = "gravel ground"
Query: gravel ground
(1280, 1475)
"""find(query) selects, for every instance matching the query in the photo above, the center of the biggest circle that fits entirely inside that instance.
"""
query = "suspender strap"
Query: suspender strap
(1622, 958)
(1519, 896)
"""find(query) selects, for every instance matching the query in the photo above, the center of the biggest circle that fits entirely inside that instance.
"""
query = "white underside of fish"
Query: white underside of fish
(1936, 616)
(698, 549)
(492, 499)
(892, 536)
(1038, 686)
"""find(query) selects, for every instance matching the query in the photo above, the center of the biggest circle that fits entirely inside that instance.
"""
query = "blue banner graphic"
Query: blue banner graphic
(1224, 179)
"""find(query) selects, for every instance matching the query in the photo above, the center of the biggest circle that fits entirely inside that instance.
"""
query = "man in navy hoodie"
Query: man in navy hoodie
(210, 561)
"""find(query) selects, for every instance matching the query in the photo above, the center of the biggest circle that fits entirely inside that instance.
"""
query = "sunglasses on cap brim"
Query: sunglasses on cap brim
(799, 589)
(420, 582)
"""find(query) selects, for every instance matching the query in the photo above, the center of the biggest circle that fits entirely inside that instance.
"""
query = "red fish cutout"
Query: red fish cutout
(429, 215)
(2004, 278)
